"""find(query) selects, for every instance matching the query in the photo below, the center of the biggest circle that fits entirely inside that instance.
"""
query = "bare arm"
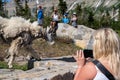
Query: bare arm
(80, 62)
(85, 71)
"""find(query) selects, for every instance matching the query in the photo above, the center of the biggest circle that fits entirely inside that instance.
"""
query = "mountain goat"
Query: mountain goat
(19, 32)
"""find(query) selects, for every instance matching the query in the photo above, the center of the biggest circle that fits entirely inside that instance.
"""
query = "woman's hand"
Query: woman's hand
(79, 57)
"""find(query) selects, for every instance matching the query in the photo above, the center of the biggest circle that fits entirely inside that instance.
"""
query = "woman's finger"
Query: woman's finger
(77, 53)
(82, 53)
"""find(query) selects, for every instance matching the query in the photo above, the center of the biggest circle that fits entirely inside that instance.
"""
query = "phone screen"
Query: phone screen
(88, 53)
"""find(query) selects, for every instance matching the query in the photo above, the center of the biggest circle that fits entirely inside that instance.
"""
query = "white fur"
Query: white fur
(10, 28)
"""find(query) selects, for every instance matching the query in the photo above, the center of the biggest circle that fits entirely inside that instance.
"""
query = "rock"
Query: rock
(80, 35)
(46, 69)
(80, 43)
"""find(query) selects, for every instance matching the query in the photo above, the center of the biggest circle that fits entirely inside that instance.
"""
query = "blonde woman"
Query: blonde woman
(106, 49)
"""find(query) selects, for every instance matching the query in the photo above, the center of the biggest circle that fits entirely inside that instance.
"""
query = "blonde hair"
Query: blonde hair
(107, 45)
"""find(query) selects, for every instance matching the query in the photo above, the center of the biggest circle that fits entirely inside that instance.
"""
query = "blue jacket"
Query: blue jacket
(40, 14)
(65, 20)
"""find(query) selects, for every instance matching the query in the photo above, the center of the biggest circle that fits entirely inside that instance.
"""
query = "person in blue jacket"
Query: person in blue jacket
(40, 16)
(65, 19)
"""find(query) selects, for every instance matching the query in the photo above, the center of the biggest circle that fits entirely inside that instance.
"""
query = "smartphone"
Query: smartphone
(88, 53)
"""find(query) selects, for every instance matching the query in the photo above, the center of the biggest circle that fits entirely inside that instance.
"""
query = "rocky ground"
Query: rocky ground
(46, 69)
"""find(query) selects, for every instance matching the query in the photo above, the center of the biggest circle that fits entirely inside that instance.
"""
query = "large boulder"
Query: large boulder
(80, 36)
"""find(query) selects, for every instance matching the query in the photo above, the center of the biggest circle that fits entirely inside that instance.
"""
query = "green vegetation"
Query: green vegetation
(3, 65)
(3, 11)
(22, 11)
(95, 19)
(47, 21)
(62, 7)
(22, 67)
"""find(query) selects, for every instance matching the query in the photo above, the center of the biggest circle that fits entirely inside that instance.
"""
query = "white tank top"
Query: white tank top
(55, 17)
(100, 75)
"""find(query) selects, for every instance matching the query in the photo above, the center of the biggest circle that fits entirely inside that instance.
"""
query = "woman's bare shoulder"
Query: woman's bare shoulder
(89, 70)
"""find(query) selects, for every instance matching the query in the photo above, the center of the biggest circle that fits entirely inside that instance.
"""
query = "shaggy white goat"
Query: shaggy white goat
(20, 32)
